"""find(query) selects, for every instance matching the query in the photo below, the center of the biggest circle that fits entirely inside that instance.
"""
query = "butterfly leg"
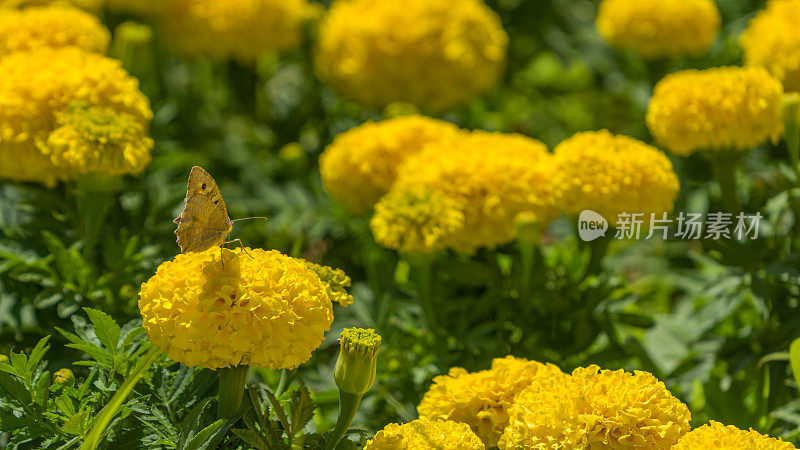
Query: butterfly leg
(241, 245)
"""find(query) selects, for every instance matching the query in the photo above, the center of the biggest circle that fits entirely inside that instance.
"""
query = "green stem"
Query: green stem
(724, 166)
(282, 383)
(94, 196)
(792, 136)
(597, 251)
(530, 258)
(232, 381)
(348, 405)
(422, 272)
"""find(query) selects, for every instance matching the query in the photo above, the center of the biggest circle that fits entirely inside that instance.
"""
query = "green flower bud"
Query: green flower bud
(64, 377)
(358, 359)
(4, 359)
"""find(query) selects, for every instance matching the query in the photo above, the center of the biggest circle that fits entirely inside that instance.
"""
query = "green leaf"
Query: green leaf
(276, 406)
(95, 436)
(37, 354)
(192, 422)
(105, 328)
(8, 421)
(301, 409)
(251, 437)
(794, 359)
(205, 436)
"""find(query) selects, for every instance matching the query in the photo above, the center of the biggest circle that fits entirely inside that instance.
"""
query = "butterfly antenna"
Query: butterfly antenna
(248, 218)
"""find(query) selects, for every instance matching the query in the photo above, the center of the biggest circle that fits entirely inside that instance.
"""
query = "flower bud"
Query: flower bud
(4, 359)
(358, 357)
(64, 377)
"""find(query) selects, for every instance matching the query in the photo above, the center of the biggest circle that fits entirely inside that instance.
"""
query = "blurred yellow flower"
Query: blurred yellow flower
(98, 139)
(240, 30)
(140, 7)
(611, 174)
(222, 308)
(432, 53)
(723, 108)
(481, 399)
(596, 409)
(658, 28)
(360, 165)
(772, 40)
(423, 434)
(335, 281)
(415, 219)
(86, 5)
(490, 178)
(716, 436)
(37, 90)
(51, 26)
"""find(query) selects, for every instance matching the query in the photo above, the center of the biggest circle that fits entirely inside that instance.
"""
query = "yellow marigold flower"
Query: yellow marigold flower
(360, 165)
(432, 53)
(596, 409)
(657, 28)
(490, 178)
(86, 5)
(51, 26)
(336, 282)
(716, 436)
(423, 434)
(771, 40)
(415, 219)
(715, 109)
(241, 30)
(98, 139)
(37, 90)
(481, 399)
(140, 7)
(222, 308)
(611, 174)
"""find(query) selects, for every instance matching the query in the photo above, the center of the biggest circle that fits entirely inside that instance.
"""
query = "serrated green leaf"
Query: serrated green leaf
(279, 412)
(192, 422)
(8, 421)
(105, 328)
(37, 354)
(204, 437)
(41, 389)
(110, 410)
(251, 437)
(301, 409)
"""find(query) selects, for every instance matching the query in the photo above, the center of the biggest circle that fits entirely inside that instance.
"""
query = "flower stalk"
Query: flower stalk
(232, 381)
(724, 166)
(791, 120)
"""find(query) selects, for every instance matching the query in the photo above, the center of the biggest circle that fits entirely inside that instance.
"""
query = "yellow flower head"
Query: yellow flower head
(360, 165)
(51, 26)
(423, 434)
(611, 174)
(98, 139)
(658, 28)
(140, 7)
(481, 399)
(716, 436)
(415, 219)
(432, 53)
(241, 30)
(771, 40)
(596, 409)
(37, 91)
(715, 109)
(221, 308)
(490, 178)
(86, 5)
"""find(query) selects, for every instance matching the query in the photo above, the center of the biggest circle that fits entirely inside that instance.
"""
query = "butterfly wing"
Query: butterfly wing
(204, 222)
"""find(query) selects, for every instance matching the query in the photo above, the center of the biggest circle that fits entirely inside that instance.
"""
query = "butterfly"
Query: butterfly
(204, 222)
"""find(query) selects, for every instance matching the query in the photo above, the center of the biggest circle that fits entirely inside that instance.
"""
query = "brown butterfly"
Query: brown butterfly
(204, 222)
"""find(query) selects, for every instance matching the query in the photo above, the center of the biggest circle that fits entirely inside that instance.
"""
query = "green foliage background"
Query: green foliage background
(700, 315)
